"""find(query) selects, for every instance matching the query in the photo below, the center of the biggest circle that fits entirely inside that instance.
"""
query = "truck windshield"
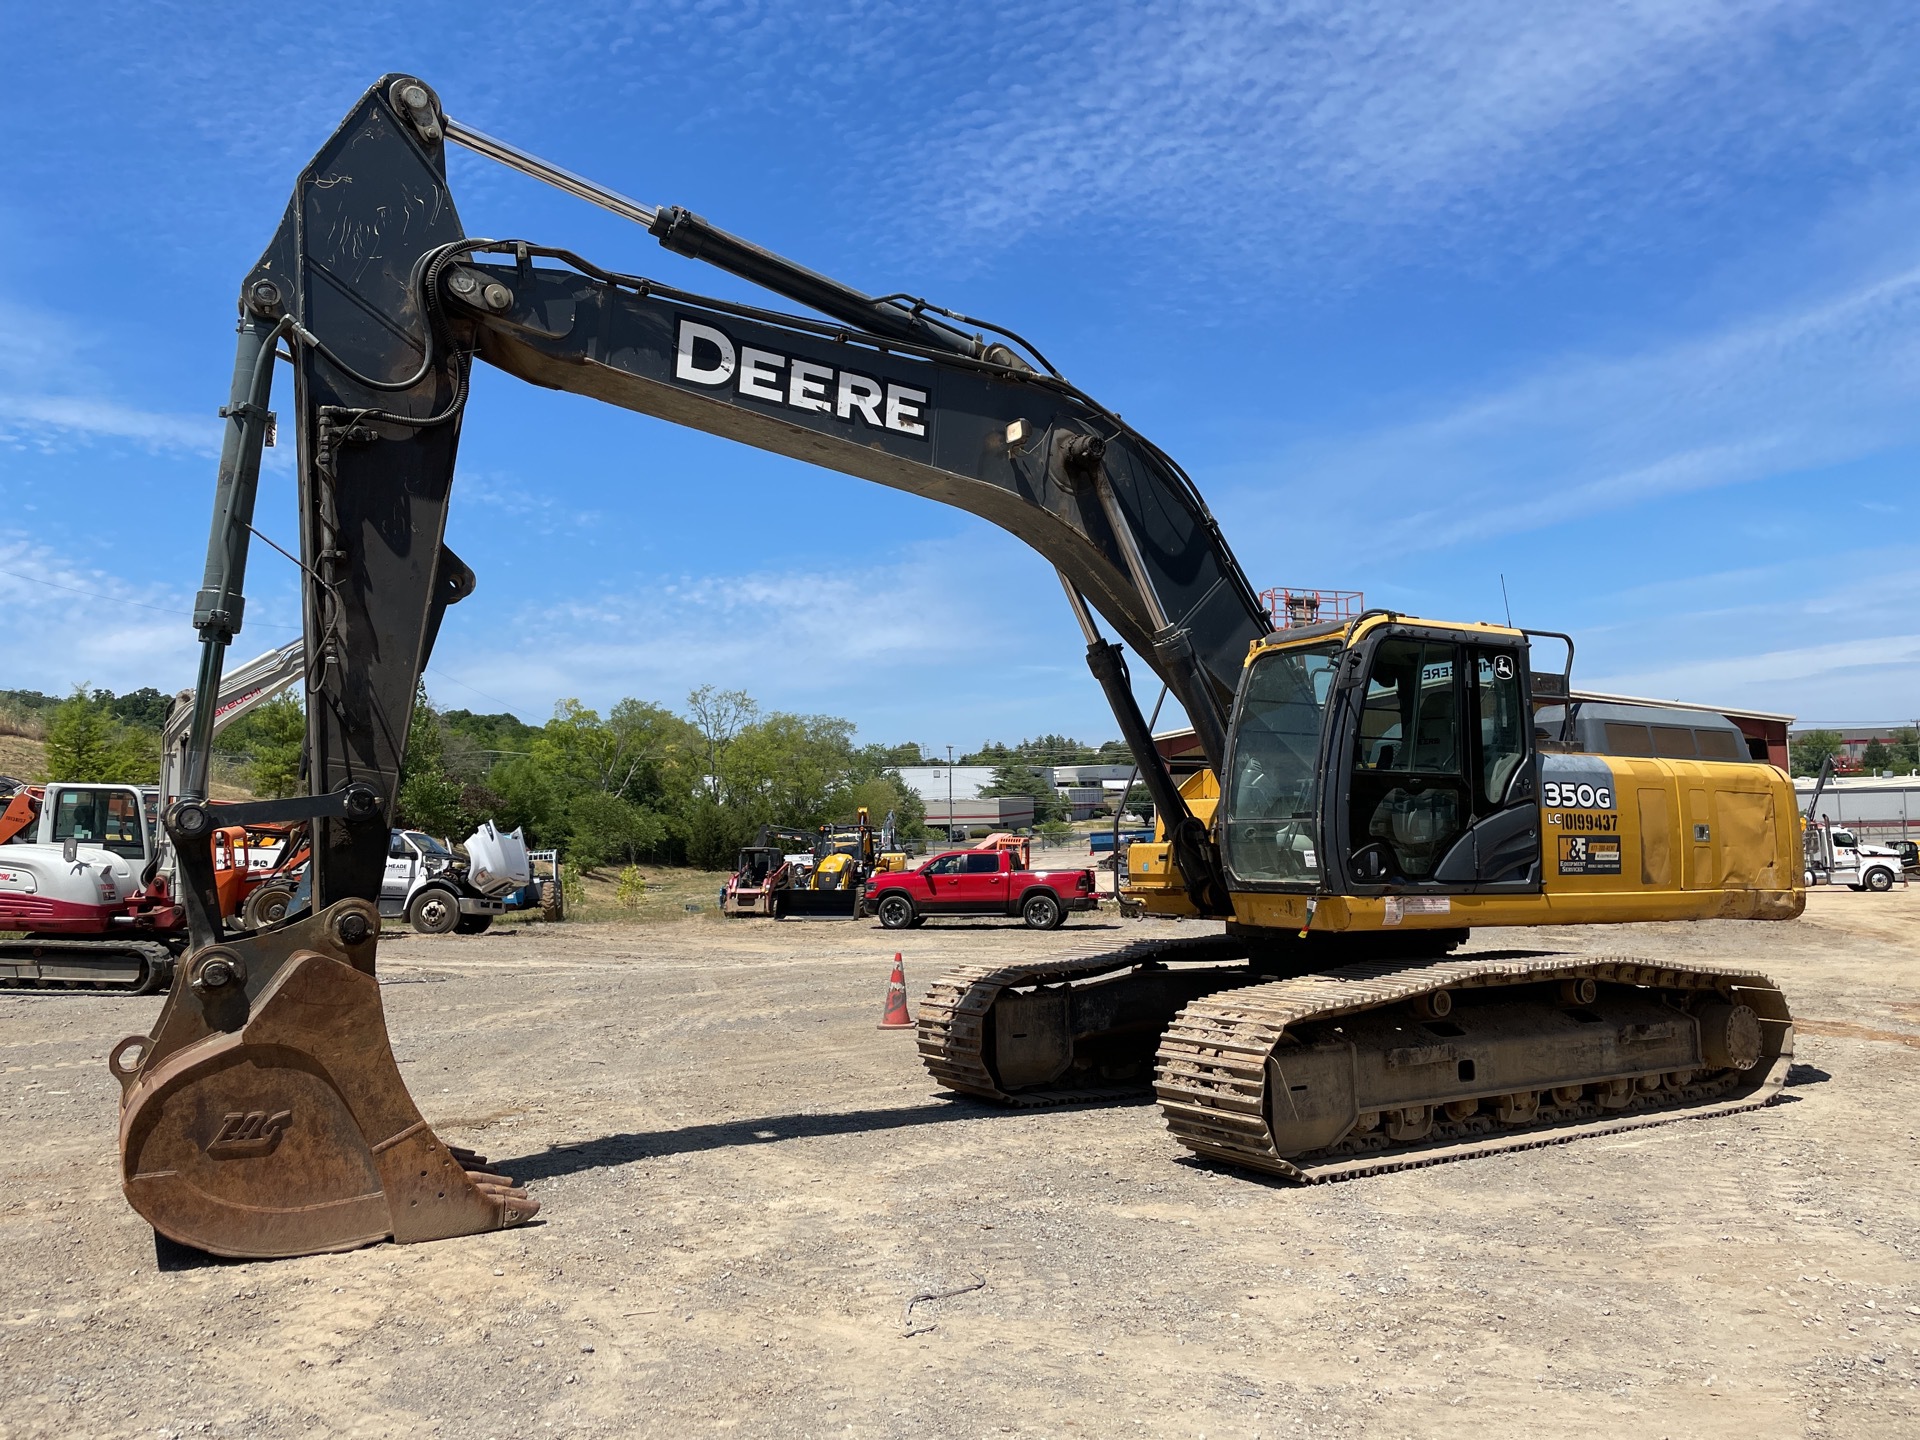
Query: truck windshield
(1275, 787)
(427, 844)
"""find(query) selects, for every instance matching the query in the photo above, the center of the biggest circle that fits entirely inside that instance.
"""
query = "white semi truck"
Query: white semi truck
(1837, 856)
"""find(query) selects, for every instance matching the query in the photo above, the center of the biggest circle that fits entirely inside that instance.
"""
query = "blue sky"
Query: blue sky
(1616, 300)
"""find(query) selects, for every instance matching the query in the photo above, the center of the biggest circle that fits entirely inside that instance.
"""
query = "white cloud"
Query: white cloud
(545, 513)
(967, 636)
(1280, 130)
(52, 397)
(1868, 678)
(55, 421)
(1829, 381)
(69, 624)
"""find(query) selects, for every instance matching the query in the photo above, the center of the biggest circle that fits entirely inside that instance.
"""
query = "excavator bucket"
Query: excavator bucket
(264, 1115)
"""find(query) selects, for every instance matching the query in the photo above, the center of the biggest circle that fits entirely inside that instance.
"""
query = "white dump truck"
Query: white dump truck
(439, 889)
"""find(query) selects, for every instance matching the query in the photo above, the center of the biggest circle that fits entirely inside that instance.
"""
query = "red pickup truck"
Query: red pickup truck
(978, 882)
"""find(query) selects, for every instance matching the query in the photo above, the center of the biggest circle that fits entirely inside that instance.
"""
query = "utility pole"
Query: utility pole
(949, 794)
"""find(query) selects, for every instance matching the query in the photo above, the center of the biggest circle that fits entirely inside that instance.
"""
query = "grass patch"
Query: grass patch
(664, 895)
(21, 757)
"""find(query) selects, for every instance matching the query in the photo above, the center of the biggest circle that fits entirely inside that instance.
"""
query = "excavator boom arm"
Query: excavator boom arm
(386, 302)
(271, 1048)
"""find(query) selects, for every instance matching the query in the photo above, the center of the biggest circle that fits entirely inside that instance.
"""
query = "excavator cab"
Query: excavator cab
(1401, 761)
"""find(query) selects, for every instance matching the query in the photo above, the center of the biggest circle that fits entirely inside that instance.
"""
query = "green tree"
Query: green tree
(602, 789)
(1906, 748)
(145, 708)
(272, 737)
(1875, 757)
(787, 769)
(1014, 777)
(528, 798)
(429, 798)
(719, 716)
(874, 780)
(714, 834)
(603, 828)
(1807, 750)
(86, 745)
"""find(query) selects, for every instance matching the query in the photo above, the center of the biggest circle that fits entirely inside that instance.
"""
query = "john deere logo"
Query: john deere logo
(249, 1132)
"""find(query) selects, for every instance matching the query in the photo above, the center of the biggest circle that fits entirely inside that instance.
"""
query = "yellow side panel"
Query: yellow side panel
(1748, 845)
(1656, 838)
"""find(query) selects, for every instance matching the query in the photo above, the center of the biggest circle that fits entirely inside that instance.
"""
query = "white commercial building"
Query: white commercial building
(1878, 808)
(1081, 786)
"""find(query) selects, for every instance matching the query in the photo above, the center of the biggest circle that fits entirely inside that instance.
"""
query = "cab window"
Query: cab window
(1502, 724)
(1409, 796)
(944, 865)
(987, 862)
(107, 818)
(1272, 802)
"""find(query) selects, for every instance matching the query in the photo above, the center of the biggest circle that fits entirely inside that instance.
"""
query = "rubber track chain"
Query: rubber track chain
(156, 960)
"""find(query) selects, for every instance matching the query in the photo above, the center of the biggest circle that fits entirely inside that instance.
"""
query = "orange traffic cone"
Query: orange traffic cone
(896, 1017)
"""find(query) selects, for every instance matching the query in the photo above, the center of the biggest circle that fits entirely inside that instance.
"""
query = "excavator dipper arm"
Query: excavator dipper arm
(273, 1043)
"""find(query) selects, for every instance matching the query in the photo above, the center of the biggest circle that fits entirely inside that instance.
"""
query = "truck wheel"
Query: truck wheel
(266, 906)
(553, 904)
(895, 912)
(1043, 911)
(1879, 880)
(433, 912)
(473, 924)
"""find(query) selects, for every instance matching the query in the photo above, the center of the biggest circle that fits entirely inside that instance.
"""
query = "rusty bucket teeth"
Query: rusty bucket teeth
(265, 1116)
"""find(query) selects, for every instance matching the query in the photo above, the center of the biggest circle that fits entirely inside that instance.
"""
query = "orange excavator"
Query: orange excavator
(1376, 785)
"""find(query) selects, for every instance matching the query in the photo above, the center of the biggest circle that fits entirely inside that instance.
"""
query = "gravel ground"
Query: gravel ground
(745, 1182)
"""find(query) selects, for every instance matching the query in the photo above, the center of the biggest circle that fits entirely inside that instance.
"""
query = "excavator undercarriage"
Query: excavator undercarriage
(1373, 1065)
(1364, 1066)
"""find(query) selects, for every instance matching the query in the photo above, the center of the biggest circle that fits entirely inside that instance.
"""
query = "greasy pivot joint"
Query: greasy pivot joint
(414, 102)
(217, 969)
(263, 299)
(189, 819)
(363, 803)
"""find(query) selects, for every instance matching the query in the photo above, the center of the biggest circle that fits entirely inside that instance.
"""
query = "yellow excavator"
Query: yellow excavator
(1374, 788)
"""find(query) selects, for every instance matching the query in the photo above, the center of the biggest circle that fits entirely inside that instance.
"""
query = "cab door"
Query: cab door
(982, 882)
(398, 879)
(1439, 785)
(943, 878)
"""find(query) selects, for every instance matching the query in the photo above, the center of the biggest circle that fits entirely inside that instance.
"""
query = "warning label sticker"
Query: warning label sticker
(1402, 905)
(1589, 855)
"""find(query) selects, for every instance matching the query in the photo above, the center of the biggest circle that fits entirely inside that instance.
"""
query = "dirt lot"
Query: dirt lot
(744, 1182)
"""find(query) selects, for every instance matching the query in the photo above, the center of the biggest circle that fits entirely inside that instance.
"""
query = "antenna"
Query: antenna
(1504, 601)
